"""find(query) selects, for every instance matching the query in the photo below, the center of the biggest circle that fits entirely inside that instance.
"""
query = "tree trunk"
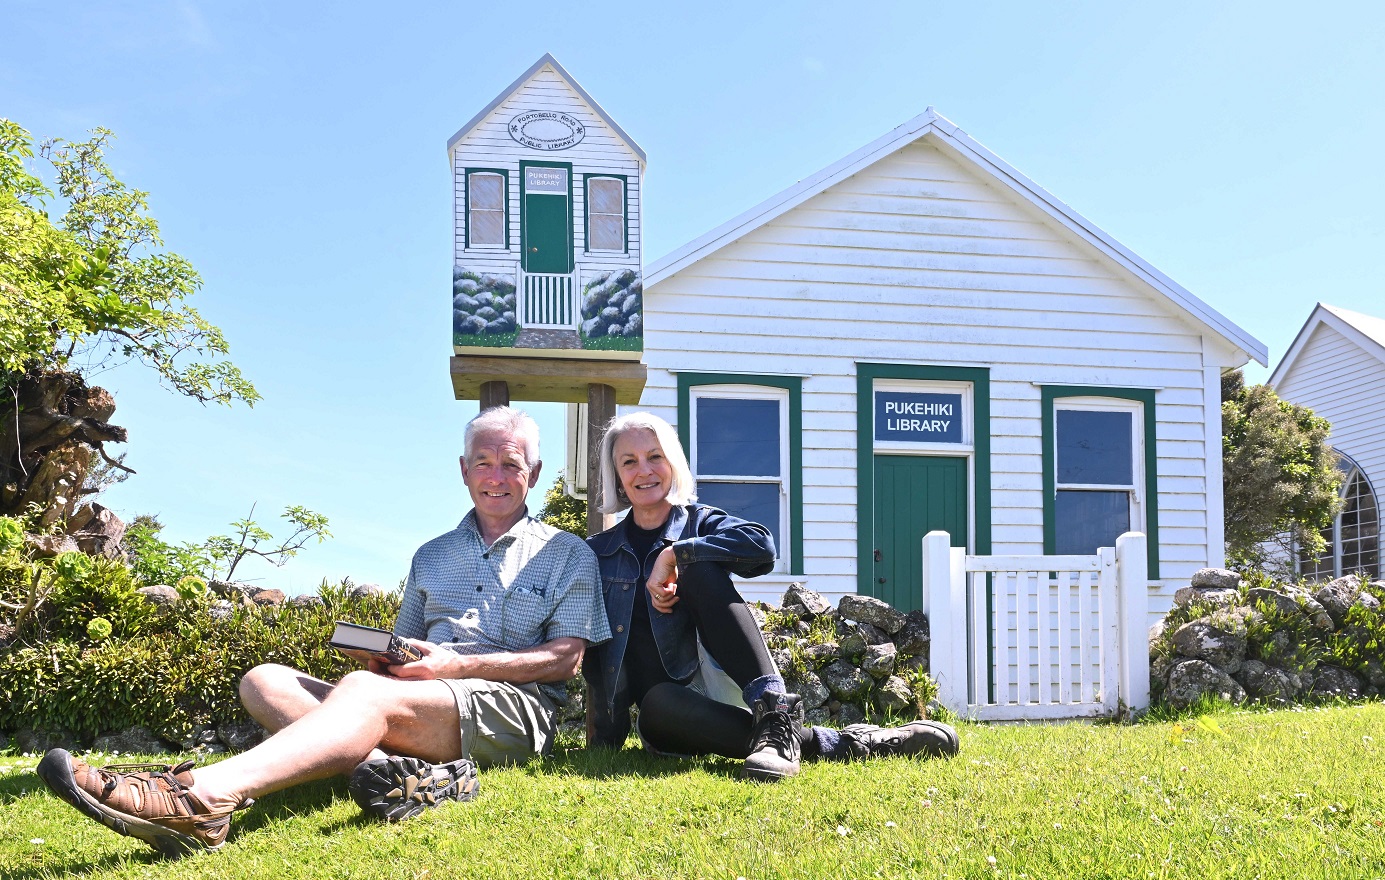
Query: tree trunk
(51, 424)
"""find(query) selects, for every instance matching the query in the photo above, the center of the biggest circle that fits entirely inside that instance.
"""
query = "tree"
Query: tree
(84, 293)
(1279, 476)
(562, 511)
(250, 537)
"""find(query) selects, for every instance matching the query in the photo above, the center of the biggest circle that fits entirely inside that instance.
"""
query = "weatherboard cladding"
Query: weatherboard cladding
(602, 151)
(1345, 384)
(917, 259)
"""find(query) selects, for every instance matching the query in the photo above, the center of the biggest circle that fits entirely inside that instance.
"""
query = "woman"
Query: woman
(666, 574)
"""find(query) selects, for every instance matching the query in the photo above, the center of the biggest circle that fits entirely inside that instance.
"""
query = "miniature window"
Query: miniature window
(485, 209)
(1098, 474)
(740, 455)
(605, 214)
(1353, 539)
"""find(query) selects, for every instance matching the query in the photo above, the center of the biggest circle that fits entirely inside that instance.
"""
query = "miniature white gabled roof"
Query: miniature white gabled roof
(942, 132)
(524, 77)
(1364, 331)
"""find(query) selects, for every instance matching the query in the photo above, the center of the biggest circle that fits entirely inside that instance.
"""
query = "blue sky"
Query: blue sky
(295, 152)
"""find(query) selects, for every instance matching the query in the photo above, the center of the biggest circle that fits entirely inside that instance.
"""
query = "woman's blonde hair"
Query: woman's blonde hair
(683, 489)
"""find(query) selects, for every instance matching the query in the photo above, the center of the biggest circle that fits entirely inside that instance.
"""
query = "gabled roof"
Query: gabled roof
(942, 133)
(524, 77)
(1366, 332)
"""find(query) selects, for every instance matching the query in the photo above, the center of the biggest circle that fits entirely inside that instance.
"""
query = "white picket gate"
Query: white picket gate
(1038, 637)
(548, 301)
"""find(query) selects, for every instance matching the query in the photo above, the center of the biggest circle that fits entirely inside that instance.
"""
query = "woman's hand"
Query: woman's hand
(663, 581)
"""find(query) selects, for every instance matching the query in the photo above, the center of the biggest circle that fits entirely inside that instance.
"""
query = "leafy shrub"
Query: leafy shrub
(110, 591)
(182, 672)
(155, 561)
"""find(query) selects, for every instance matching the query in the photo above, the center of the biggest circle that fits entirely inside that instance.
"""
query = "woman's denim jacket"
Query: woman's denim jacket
(698, 533)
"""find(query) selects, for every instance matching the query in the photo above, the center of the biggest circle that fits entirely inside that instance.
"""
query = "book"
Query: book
(381, 644)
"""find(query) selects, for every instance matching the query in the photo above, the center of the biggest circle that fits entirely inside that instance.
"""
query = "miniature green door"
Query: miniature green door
(914, 495)
(546, 224)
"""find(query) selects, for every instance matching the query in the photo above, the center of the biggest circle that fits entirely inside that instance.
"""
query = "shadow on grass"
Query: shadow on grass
(627, 762)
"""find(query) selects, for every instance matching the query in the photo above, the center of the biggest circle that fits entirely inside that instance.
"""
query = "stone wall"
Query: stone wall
(1253, 639)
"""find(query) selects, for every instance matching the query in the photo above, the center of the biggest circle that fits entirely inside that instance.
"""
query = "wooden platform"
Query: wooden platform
(560, 380)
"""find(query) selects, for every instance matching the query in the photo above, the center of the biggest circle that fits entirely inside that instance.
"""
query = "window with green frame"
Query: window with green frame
(744, 439)
(1099, 469)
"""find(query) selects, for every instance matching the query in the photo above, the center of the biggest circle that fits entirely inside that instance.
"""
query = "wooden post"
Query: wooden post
(494, 394)
(601, 408)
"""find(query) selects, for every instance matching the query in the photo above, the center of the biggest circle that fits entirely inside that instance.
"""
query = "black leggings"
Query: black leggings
(673, 717)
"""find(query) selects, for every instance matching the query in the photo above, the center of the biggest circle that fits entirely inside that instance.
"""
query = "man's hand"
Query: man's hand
(436, 662)
(663, 581)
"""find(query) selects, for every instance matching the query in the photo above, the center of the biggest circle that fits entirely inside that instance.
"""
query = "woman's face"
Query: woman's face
(644, 472)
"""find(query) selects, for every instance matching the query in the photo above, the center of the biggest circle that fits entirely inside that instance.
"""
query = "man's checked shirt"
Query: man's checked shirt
(533, 585)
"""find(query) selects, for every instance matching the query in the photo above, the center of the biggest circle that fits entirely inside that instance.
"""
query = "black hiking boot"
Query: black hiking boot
(928, 737)
(774, 744)
(398, 787)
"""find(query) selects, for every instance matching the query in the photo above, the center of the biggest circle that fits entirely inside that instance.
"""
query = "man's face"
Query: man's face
(497, 476)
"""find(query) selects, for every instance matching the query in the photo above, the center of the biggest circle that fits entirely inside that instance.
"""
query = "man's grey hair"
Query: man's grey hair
(682, 491)
(515, 422)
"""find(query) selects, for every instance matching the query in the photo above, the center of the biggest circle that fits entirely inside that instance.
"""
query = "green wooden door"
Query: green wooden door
(914, 495)
(546, 224)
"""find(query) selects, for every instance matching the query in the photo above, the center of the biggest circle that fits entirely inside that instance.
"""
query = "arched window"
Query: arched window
(1353, 539)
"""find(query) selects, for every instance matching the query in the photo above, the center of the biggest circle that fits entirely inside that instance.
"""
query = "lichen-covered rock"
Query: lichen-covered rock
(894, 696)
(796, 609)
(1374, 673)
(810, 600)
(1281, 602)
(1216, 579)
(914, 636)
(1190, 681)
(362, 591)
(159, 594)
(879, 660)
(233, 590)
(240, 735)
(818, 717)
(850, 640)
(1331, 681)
(810, 688)
(37, 740)
(845, 681)
(1160, 668)
(1269, 684)
(135, 740)
(820, 655)
(268, 598)
(782, 657)
(1186, 596)
(868, 609)
(221, 609)
(306, 601)
(1200, 640)
(1339, 595)
(850, 713)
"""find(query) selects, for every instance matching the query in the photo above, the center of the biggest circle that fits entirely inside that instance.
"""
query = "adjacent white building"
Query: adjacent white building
(1336, 367)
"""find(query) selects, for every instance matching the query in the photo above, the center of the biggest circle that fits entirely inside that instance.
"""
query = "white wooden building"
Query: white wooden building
(1336, 367)
(919, 337)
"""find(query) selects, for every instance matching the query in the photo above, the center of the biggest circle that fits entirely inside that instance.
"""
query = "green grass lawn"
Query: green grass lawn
(1294, 793)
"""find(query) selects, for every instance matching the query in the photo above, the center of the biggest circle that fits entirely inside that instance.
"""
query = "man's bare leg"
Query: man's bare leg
(363, 712)
(276, 696)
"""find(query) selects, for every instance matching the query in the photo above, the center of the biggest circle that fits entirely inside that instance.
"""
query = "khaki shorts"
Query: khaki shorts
(502, 723)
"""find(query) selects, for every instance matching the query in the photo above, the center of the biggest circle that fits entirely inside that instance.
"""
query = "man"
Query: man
(498, 606)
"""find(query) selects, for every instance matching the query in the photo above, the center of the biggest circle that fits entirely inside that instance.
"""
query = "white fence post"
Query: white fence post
(943, 602)
(1132, 591)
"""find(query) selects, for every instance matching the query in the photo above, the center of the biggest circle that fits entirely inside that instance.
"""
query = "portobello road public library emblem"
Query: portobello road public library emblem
(547, 130)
